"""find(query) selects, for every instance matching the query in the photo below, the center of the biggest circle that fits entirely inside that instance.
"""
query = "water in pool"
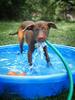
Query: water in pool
(12, 60)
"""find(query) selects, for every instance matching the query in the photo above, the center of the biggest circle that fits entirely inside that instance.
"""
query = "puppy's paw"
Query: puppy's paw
(18, 53)
(31, 67)
(49, 64)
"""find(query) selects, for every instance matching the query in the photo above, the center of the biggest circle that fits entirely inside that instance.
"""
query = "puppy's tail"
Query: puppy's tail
(13, 33)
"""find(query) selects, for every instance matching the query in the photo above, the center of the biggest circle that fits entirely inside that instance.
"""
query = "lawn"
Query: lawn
(65, 34)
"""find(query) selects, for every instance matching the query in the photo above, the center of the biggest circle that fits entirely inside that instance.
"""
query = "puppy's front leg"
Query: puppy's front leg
(30, 51)
(47, 56)
(29, 57)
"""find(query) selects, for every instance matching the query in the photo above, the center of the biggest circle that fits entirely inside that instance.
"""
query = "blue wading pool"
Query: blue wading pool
(42, 80)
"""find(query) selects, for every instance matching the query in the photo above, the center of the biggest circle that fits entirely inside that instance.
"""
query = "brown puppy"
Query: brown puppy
(34, 32)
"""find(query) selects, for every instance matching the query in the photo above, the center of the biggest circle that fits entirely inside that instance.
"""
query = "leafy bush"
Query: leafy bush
(34, 9)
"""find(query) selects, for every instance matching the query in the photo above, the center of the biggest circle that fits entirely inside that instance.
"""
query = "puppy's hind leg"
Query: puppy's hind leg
(21, 39)
(21, 45)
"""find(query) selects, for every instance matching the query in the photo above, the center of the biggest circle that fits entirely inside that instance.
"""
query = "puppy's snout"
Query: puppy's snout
(41, 36)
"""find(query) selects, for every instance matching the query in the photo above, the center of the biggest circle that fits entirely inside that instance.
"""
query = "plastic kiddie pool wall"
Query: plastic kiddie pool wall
(37, 86)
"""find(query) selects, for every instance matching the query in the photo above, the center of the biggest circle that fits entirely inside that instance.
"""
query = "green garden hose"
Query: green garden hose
(67, 68)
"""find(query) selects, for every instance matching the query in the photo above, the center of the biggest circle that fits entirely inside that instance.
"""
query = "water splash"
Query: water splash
(14, 61)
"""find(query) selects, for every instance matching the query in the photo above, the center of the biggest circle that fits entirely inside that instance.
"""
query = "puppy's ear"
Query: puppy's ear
(29, 27)
(52, 25)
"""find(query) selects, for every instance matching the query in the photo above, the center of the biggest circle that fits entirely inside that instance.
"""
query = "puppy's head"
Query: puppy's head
(40, 29)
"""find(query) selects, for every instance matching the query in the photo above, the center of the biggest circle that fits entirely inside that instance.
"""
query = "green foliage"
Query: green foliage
(34, 9)
(10, 9)
(63, 7)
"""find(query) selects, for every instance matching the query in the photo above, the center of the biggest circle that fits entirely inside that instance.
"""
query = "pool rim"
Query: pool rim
(36, 78)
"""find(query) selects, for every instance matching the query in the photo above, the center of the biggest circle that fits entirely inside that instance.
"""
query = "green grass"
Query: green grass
(65, 34)
(5, 29)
